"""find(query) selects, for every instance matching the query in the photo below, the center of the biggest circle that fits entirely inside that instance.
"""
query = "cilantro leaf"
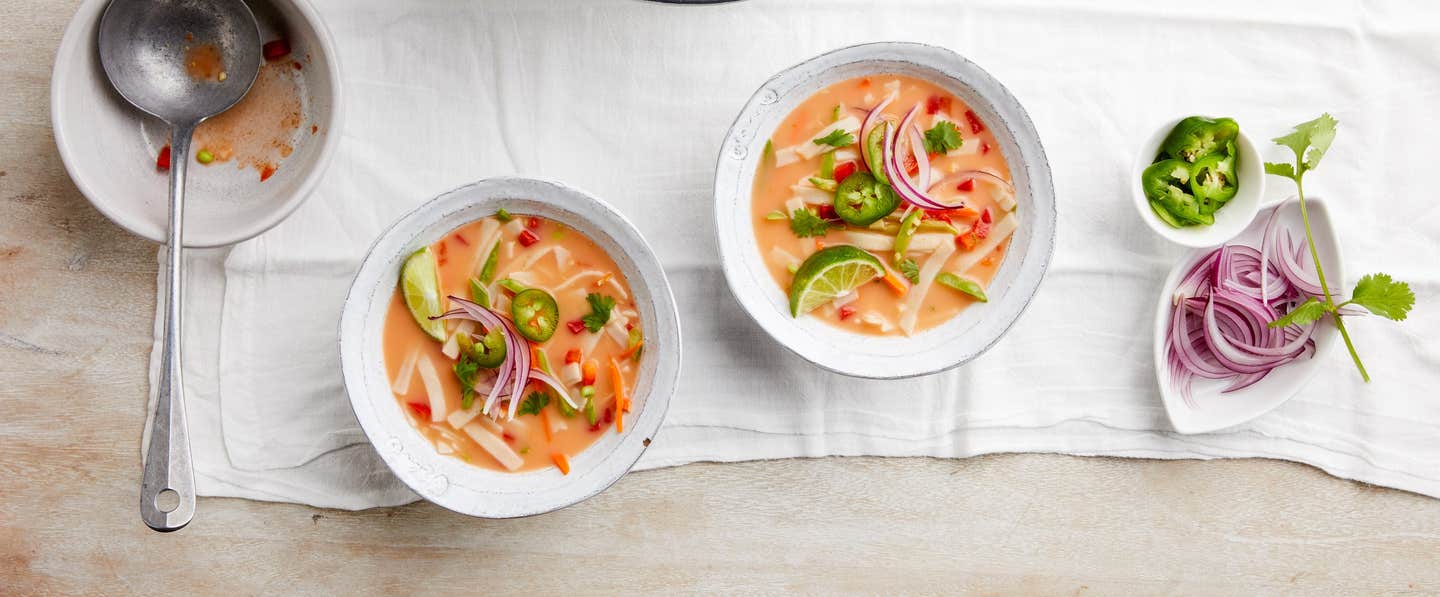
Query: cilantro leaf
(600, 306)
(836, 138)
(534, 403)
(942, 137)
(1286, 170)
(1384, 296)
(1310, 140)
(804, 223)
(465, 371)
(1305, 313)
(910, 269)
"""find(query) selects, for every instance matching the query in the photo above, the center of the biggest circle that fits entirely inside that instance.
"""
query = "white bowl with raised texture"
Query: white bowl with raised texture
(1209, 409)
(446, 480)
(1230, 219)
(950, 344)
(109, 147)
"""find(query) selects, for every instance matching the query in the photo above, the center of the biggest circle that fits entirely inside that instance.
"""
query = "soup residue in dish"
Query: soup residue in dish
(883, 205)
(513, 343)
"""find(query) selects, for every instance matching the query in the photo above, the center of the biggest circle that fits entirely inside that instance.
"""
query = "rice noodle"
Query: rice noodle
(407, 370)
(433, 390)
(495, 446)
(917, 293)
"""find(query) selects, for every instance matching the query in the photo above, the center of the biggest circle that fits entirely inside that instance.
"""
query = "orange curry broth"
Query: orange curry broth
(772, 189)
(459, 259)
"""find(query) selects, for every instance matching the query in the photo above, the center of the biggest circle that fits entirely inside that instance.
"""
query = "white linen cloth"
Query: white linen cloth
(630, 100)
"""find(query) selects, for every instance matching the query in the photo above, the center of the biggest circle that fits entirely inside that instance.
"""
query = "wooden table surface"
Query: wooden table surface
(76, 298)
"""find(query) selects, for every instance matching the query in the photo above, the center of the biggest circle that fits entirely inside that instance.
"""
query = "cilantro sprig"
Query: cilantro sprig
(1377, 293)
(600, 307)
(534, 403)
(804, 223)
(836, 138)
(943, 137)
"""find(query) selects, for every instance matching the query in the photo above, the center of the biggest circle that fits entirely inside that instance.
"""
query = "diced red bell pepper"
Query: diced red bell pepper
(576, 327)
(609, 414)
(573, 355)
(275, 50)
(528, 238)
(935, 215)
(846, 312)
(984, 148)
(981, 229)
(826, 212)
(911, 166)
(986, 217)
(966, 185)
(936, 103)
(843, 171)
(975, 126)
(532, 222)
(420, 408)
(966, 241)
(162, 161)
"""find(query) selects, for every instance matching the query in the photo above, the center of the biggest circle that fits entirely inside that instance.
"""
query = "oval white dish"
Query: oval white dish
(1211, 409)
(448, 481)
(953, 343)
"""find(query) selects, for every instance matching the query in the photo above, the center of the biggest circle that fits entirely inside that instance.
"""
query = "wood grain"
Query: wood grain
(76, 298)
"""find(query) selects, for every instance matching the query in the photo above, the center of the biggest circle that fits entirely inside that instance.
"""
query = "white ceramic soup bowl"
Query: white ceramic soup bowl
(446, 480)
(1230, 220)
(964, 336)
(109, 147)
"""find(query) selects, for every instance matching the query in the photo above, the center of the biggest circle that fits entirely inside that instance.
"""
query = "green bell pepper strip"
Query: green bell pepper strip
(908, 226)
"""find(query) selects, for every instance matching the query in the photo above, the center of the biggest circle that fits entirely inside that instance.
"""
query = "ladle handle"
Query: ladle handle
(167, 461)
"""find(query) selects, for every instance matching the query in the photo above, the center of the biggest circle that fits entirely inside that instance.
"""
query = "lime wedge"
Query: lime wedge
(420, 283)
(829, 273)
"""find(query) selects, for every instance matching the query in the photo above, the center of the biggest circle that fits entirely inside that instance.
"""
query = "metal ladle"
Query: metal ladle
(147, 50)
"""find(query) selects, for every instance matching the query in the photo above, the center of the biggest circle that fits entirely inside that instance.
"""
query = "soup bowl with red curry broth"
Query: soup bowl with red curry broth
(376, 329)
(759, 229)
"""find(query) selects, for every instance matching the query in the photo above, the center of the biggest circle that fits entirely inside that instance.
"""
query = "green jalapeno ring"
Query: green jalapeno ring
(1196, 137)
(489, 352)
(862, 200)
(535, 314)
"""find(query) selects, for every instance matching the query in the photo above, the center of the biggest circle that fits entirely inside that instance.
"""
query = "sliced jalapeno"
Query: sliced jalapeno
(535, 313)
(489, 352)
(1196, 137)
(1213, 180)
(875, 151)
(861, 200)
(1166, 183)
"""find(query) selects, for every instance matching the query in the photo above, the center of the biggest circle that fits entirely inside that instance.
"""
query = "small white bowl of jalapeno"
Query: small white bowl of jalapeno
(1198, 181)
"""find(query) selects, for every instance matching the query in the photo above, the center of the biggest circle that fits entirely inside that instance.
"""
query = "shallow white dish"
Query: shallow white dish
(1229, 220)
(109, 147)
(446, 480)
(965, 336)
(1212, 410)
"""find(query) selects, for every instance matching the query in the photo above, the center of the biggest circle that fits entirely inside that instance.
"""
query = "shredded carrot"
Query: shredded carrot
(588, 372)
(572, 356)
(622, 398)
(534, 354)
(561, 461)
(898, 285)
(545, 422)
(819, 244)
(632, 349)
(603, 279)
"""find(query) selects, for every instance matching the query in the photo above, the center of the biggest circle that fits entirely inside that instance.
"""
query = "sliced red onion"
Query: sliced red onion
(516, 367)
(899, 180)
(871, 121)
(1221, 310)
(917, 148)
